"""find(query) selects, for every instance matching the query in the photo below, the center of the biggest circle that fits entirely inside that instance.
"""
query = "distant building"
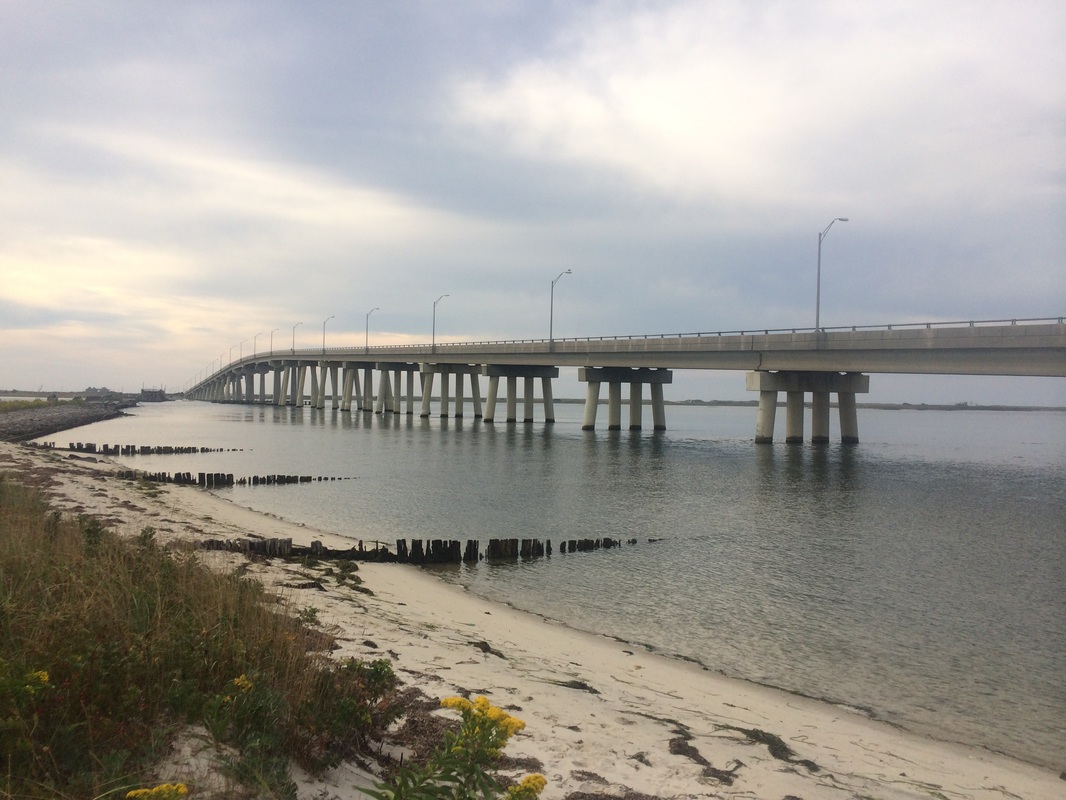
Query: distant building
(153, 395)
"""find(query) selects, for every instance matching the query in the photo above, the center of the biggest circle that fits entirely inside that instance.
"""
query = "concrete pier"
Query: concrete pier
(529, 374)
(447, 371)
(614, 377)
(795, 384)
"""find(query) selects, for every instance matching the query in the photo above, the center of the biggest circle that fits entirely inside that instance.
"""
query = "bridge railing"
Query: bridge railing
(712, 334)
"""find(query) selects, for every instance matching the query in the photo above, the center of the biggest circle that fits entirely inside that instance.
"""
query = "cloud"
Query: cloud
(770, 105)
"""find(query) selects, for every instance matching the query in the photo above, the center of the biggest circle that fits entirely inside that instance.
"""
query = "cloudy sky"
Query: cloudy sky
(189, 180)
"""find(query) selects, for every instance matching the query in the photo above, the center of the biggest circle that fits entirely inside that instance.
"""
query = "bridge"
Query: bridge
(820, 361)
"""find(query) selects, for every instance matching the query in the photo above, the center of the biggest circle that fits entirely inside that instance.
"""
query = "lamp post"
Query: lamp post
(366, 341)
(294, 336)
(433, 342)
(551, 309)
(254, 338)
(241, 351)
(272, 340)
(327, 319)
(818, 282)
(230, 361)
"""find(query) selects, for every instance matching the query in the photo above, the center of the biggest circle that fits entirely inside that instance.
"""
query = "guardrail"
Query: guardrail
(704, 334)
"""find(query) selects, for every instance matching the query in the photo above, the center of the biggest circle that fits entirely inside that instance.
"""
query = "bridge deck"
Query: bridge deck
(1019, 348)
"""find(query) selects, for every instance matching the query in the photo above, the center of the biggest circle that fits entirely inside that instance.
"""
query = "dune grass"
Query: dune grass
(108, 646)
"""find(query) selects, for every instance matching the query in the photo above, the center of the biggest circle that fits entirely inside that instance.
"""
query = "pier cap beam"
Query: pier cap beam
(625, 375)
(392, 366)
(854, 382)
(448, 369)
(519, 371)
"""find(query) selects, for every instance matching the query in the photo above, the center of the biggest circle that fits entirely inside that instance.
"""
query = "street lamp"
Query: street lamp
(254, 338)
(230, 361)
(818, 283)
(327, 319)
(243, 343)
(272, 340)
(551, 308)
(366, 342)
(294, 336)
(433, 344)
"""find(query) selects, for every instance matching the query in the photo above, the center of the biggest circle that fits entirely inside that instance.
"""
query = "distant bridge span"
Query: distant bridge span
(791, 360)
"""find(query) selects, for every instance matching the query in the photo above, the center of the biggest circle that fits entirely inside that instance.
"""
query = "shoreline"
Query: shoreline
(603, 716)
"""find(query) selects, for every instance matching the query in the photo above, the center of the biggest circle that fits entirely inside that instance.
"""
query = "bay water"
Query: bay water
(920, 575)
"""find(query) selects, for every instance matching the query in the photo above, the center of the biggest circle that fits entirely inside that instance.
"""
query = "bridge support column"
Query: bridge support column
(384, 400)
(849, 418)
(282, 385)
(313, 370)
(296, 387)
(764, 421)
(445, 393)
(367, 406)
(527, 406)
(793, 417)
(658, 407)
(819, 384)
(636, 406)
(614, 377)
(547, 399)
(819, 417)
(350, 376)
(490, 401)
(336, 399)
(475, 393)
(397, 389)
(614, 406)
(459, 395)
(512, 394)
(592, 404)
(410, 392)
(427, 392)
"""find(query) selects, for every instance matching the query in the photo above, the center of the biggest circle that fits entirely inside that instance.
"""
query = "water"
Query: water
(920, 575)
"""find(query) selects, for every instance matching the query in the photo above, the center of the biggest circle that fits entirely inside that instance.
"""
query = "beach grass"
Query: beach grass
(19, 405)
(108, 647)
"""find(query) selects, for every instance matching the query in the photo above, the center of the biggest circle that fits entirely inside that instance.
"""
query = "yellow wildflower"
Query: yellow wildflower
(458, 703)
(164, 791)
(531, 786)
(41, 676)
(243, 683)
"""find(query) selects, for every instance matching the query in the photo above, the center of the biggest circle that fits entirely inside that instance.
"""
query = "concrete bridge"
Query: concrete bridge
(793, 361)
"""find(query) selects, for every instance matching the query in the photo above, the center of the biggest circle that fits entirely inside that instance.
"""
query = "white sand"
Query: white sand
(613, 740)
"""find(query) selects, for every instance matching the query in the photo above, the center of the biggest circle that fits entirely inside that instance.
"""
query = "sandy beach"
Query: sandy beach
(603, 717)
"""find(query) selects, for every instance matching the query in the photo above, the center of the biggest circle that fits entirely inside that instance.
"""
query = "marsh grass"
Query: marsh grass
(108, 646)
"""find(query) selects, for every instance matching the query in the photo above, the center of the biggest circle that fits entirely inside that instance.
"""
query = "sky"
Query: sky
(188, 182)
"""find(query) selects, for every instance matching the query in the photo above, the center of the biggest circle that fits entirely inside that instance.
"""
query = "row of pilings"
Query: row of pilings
(219, 480)
(440, 551)
(141, 449)
(418, 552)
